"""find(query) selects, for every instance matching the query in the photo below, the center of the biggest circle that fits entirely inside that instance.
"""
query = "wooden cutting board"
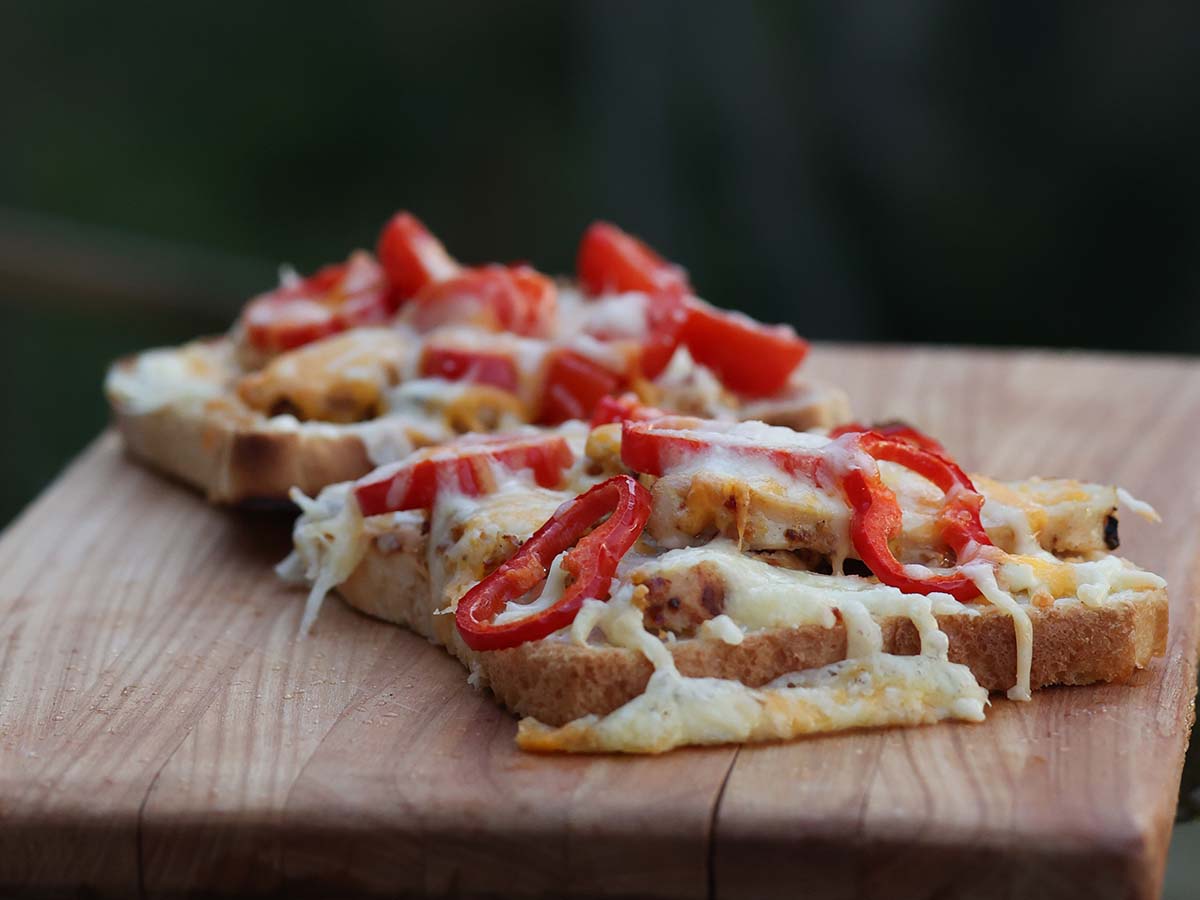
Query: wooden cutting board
(162, 731)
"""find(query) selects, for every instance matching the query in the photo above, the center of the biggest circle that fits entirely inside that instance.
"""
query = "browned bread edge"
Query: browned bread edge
(557, 681)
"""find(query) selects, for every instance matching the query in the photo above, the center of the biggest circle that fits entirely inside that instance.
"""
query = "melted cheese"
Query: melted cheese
(184, 378)
(1138, 507)
(862, 691)
(329, 544)
(675, 711)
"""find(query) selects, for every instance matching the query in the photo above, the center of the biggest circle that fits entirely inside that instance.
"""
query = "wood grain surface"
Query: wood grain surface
(162, 733)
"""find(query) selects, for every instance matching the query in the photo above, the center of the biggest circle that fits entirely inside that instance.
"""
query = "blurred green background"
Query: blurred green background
(1008, 173)
(934, 171)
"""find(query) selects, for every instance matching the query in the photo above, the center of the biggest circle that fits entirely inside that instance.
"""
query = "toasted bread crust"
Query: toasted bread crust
(557, 681)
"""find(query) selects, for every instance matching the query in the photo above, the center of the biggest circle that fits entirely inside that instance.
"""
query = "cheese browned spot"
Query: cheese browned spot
(340, 379)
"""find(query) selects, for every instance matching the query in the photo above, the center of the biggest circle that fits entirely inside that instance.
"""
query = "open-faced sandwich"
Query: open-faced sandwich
(656, 581)
(329, 375)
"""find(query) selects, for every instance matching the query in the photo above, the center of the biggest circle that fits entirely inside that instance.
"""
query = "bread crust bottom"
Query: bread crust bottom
(558, 681)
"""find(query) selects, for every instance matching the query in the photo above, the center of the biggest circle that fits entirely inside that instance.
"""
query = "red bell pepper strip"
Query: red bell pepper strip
(498, 298)
(750, 358)
(412, 257)
(464, 466)
(625, 408)
(591, 563)
(574, 384)
(656, 447)
(876, 516)
(900, 430)
(332, 299)
(476, 366)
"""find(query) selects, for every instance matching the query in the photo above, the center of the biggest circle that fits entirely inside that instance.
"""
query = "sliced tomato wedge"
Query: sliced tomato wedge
(749, 357)
(412, 257)
(476, 366)
(658, 446)
(611, 261)
(464, 466)
(666, 318)
(574, 385)
(627, 407)
(332, 299)
(518, 299)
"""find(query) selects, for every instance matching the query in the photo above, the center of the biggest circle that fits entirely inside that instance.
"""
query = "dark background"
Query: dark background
(937, 171)
(1009, 173)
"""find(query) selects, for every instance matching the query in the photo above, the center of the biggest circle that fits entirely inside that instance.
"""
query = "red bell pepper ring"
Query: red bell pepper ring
(876, 516)
(750, 358)
(476, 366)
(573, 386)
(495, 297)
(625, 408)
(332, 299)
(590, 562)
(657, 446)
(900, 430)
(412, 257)
(464, 466)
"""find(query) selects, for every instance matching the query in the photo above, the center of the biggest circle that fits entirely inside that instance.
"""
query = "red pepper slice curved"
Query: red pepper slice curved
(750, 358)
(626, 407)
(610, 260)
(465, 466)
(591, 563)
(498, 298)
(900, 430)
(334, 298)
(876, 516)
(658, 446)
(574, 385)
(476, 366)
(412, 257)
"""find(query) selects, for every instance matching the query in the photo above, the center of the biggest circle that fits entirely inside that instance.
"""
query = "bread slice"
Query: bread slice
(179, 410)
(559, 681)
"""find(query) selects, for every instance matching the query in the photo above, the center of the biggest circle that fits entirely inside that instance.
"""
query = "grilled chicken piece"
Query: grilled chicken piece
(339, 379)
(681, 603)
(1062, 516)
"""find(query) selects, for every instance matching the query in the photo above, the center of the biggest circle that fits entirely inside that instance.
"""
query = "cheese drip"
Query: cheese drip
(869, 688)
(329, 545)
